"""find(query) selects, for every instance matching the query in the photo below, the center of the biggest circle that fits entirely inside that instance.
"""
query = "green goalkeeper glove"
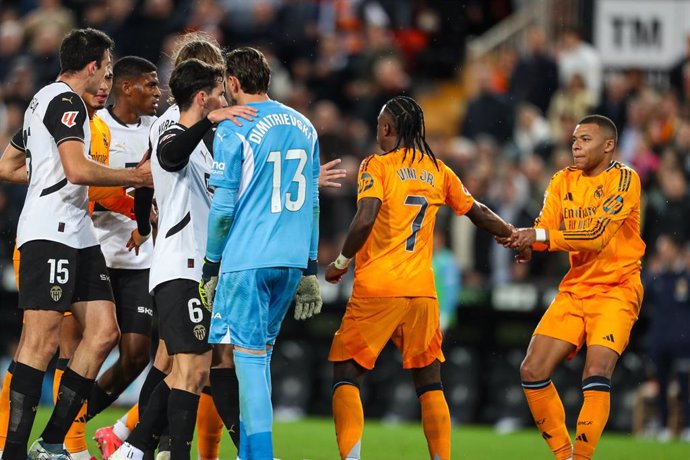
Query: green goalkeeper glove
(308, 298)
(208, 283)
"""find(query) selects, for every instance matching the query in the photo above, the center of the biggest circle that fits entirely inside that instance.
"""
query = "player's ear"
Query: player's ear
(92, 68)
(609, 145)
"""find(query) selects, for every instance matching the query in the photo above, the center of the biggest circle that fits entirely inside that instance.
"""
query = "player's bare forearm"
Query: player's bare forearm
(82, 171)
(360, 228)
(486, 219)
(13, 166)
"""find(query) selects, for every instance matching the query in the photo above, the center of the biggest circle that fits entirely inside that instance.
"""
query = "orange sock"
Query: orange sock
(549, 415)
(209, 428)
(436, 423)
(5, 406)
(349, 419)
(132, 417)
(593, 416)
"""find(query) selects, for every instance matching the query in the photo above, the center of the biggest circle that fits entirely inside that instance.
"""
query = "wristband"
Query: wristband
(341, 262)
(540, 234)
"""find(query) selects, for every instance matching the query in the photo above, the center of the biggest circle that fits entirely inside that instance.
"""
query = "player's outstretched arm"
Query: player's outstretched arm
(360, 228)
(13, 165)
(82, 171)
(329, 174)
(486, 219)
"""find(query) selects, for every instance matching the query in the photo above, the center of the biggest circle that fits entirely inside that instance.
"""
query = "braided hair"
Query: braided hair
(409, 124)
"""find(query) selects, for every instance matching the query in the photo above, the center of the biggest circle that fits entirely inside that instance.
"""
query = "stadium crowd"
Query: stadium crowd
(338, 62)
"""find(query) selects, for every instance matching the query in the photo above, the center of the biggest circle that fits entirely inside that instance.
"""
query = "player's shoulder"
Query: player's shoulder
(163, 122)
(372, 160)
(622, 175)
(565, 174)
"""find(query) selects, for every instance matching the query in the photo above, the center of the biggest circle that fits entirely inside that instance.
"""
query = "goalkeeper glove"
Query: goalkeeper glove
(208, 283)
(308, 298)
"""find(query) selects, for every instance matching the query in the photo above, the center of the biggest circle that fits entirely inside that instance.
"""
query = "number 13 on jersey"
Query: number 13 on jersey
(292, 202)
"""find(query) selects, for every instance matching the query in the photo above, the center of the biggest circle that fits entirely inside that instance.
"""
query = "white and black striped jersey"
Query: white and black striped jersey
(128, 144)
(55, 209)
(183, 200)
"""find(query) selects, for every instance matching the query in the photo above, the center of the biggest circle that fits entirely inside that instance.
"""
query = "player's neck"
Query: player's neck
(244, 99)
(124, 114)
(191, 116)
(75, 80)
(598, 169)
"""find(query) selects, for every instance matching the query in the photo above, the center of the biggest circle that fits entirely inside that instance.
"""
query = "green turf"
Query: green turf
(314, 439)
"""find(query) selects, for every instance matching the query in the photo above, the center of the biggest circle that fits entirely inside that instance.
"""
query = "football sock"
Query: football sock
(269, 355)
(132, 417)
(60, 366)
(349, 418)
(435, 421)
(209, 427)
(5, 404)
(75, 439)
(98, 401)
(549, 415)
(153, 378)
(255, 404)
(74, 389)
(152, 421)
(25, 393)
(182, 411)
(226, 396)
(593, 416)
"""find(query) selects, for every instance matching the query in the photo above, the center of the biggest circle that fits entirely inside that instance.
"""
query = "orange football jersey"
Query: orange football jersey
(597, 220)
(395, 261)
(111, 198)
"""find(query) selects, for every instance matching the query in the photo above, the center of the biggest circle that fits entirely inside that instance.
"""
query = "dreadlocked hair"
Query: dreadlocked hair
(409, 124)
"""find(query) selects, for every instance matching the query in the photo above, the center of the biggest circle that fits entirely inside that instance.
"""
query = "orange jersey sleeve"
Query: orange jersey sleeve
(111, 198)
(550, 215)
(395, 261)
(601, 220)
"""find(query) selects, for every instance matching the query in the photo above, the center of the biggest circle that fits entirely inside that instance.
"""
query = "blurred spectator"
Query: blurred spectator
(569, 105)
(45, 46)
(50, 13)
(488, 113)
(679, 76)
(663, 122)
(668, 208)
(11, 39)
(613, 105)
(535, 79)
(633, 133)
(531, 130)
(577, 57)
(448, 279)
(667, 294)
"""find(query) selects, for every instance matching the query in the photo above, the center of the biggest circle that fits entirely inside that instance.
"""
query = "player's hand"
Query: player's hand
(524, 256)
(523, 238)
(136, 240)
(208, 283)
(232, 113)
(328, 174)
(142, 175)
(308, 298)
(334, 274)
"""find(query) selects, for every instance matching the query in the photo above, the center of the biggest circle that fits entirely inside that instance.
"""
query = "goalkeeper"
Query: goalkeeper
(264, 222)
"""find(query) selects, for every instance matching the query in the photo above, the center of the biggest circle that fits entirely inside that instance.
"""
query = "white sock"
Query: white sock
(131, 452)
(120, 429)
(83, 455)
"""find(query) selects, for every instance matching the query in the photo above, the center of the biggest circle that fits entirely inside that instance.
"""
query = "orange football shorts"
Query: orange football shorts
(412, 323)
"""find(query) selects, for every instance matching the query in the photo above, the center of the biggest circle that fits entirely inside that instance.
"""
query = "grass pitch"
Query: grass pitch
(314, 439)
